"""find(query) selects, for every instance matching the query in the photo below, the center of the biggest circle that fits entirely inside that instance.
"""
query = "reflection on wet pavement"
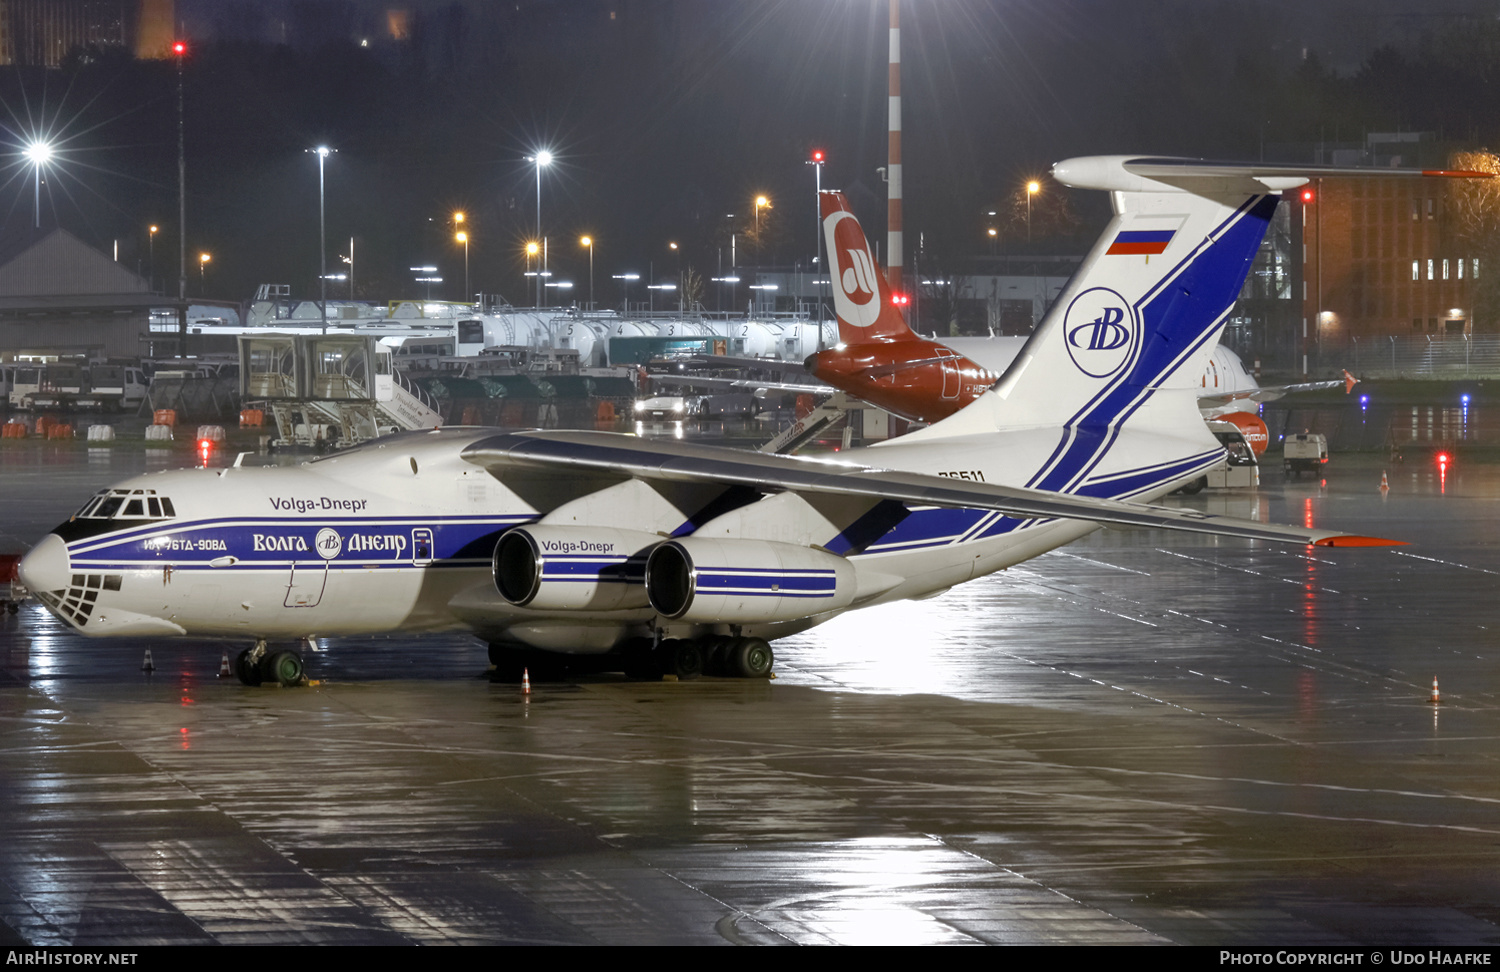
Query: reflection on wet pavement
(1139, 738)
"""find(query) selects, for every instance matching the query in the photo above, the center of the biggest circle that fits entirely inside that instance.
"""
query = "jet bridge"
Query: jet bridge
(331, 389)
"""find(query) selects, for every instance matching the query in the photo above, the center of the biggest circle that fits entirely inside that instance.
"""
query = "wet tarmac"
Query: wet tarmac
(1141, 738)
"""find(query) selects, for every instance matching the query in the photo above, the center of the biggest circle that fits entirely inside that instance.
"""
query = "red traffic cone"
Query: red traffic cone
(525, 681)
(1385, 486)
(224, 671)
(1436, 699)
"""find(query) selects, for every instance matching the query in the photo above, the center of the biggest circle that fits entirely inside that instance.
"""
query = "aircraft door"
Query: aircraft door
(953, 382)
(305, 587)
(421, 547)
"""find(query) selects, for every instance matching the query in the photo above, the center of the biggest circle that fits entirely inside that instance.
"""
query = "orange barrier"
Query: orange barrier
(164, 416)
(606, 412)
(13, 430)
(57, 430)
(252, 418)
(42, 422)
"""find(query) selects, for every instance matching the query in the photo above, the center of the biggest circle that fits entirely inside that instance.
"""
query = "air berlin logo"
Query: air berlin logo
(857, 296)
(1100, 331)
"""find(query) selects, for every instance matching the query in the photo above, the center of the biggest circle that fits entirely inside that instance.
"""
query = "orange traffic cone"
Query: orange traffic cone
(1385, 485)
(1436, 699)
(525, 681)
(147, 665)
(224, 671)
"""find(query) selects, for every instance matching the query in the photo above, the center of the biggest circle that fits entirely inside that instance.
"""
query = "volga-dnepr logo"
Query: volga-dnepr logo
(1101, 332)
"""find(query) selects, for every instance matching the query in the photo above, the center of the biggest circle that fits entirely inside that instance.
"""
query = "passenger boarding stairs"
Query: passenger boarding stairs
(331, 390)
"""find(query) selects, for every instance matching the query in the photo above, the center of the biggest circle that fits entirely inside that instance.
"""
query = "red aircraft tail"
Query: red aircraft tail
(866, 308)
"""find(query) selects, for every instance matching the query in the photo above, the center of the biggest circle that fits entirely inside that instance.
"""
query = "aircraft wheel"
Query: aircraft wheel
(282, 666)
(680, 657)
(247, 671)
(716, 650)
(751, 658)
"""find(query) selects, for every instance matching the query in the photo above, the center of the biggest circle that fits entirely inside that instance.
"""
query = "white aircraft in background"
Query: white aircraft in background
(655, 555)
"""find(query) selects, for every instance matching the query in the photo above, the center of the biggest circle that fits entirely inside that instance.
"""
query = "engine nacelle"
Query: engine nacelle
(1251, 427)
(568, 568)
(700, 579)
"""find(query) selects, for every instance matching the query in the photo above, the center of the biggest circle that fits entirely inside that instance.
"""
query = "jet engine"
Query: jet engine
(1251, 427)
(568, 568)
(699, 579)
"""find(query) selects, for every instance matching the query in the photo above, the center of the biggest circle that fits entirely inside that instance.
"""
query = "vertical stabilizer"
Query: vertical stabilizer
(862, 299)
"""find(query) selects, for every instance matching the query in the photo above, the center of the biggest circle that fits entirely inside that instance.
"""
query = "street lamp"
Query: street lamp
(761, 202)
(542, 160)
(463, 238)
(588, 241)
(39, 153)
(203, 259)
(817, 163)
(628, 278)
(1032, 188)
(322, 152)
(532, 249)
(151, 250)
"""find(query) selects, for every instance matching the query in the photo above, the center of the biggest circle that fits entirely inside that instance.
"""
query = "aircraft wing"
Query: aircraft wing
(1268, 393)
(742, 384)
(570, 453)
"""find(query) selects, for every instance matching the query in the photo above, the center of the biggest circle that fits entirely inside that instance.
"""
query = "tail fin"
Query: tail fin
(866, 308)
(1126, 342)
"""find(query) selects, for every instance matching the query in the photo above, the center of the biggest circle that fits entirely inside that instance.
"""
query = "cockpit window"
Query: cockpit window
(127, 503)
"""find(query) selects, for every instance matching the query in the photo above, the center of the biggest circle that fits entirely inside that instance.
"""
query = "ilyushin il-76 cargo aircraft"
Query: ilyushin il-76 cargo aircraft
(660, 557)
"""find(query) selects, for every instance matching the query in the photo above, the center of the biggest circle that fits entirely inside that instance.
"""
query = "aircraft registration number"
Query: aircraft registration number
(973, 475)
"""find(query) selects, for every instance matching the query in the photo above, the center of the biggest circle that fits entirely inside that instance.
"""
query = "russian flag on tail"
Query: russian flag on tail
(1137, 242)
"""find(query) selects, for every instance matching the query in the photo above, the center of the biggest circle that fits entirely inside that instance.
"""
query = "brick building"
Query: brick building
(1382, 258)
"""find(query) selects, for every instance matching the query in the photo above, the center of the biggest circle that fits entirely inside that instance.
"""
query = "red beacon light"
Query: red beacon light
(900, 300)
(1443, 458)
(179, 48)
(1307, 195)
(817, 155)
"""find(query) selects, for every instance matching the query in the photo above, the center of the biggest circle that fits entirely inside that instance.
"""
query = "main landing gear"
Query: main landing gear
(686, 658)
(682, 658)
(256, 665)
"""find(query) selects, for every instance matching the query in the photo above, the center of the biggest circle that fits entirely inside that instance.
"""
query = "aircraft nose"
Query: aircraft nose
(47, 566)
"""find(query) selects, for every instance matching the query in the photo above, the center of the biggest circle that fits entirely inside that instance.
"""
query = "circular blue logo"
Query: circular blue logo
(1101, 332)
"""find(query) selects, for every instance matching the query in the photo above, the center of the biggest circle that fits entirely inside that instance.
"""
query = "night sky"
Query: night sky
(667, 116)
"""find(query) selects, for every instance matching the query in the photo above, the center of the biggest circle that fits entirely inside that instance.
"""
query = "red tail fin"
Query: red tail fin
(866, 308)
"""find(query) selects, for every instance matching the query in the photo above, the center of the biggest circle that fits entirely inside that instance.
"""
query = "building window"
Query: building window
(1416, 269)
(1416, 211)
(1445, 269)
(1475, 268)
(1460, 269)
(1416, 324)
(1430, 209)
(1429, 268)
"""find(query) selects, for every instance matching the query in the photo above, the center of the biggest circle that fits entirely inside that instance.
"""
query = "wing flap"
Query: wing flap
(595, 452)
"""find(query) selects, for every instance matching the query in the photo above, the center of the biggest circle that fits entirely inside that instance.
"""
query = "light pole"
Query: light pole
(39, 153)
(761, 202)
(1032, 188)
(532, 249)
(627, 279)
(350, 260)
(463, 238)
(588, 241)
(542, 160)
(203, 260)
(678, 254)
(817, 163)
(151, 249)
(179, 50)
(322, 152)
